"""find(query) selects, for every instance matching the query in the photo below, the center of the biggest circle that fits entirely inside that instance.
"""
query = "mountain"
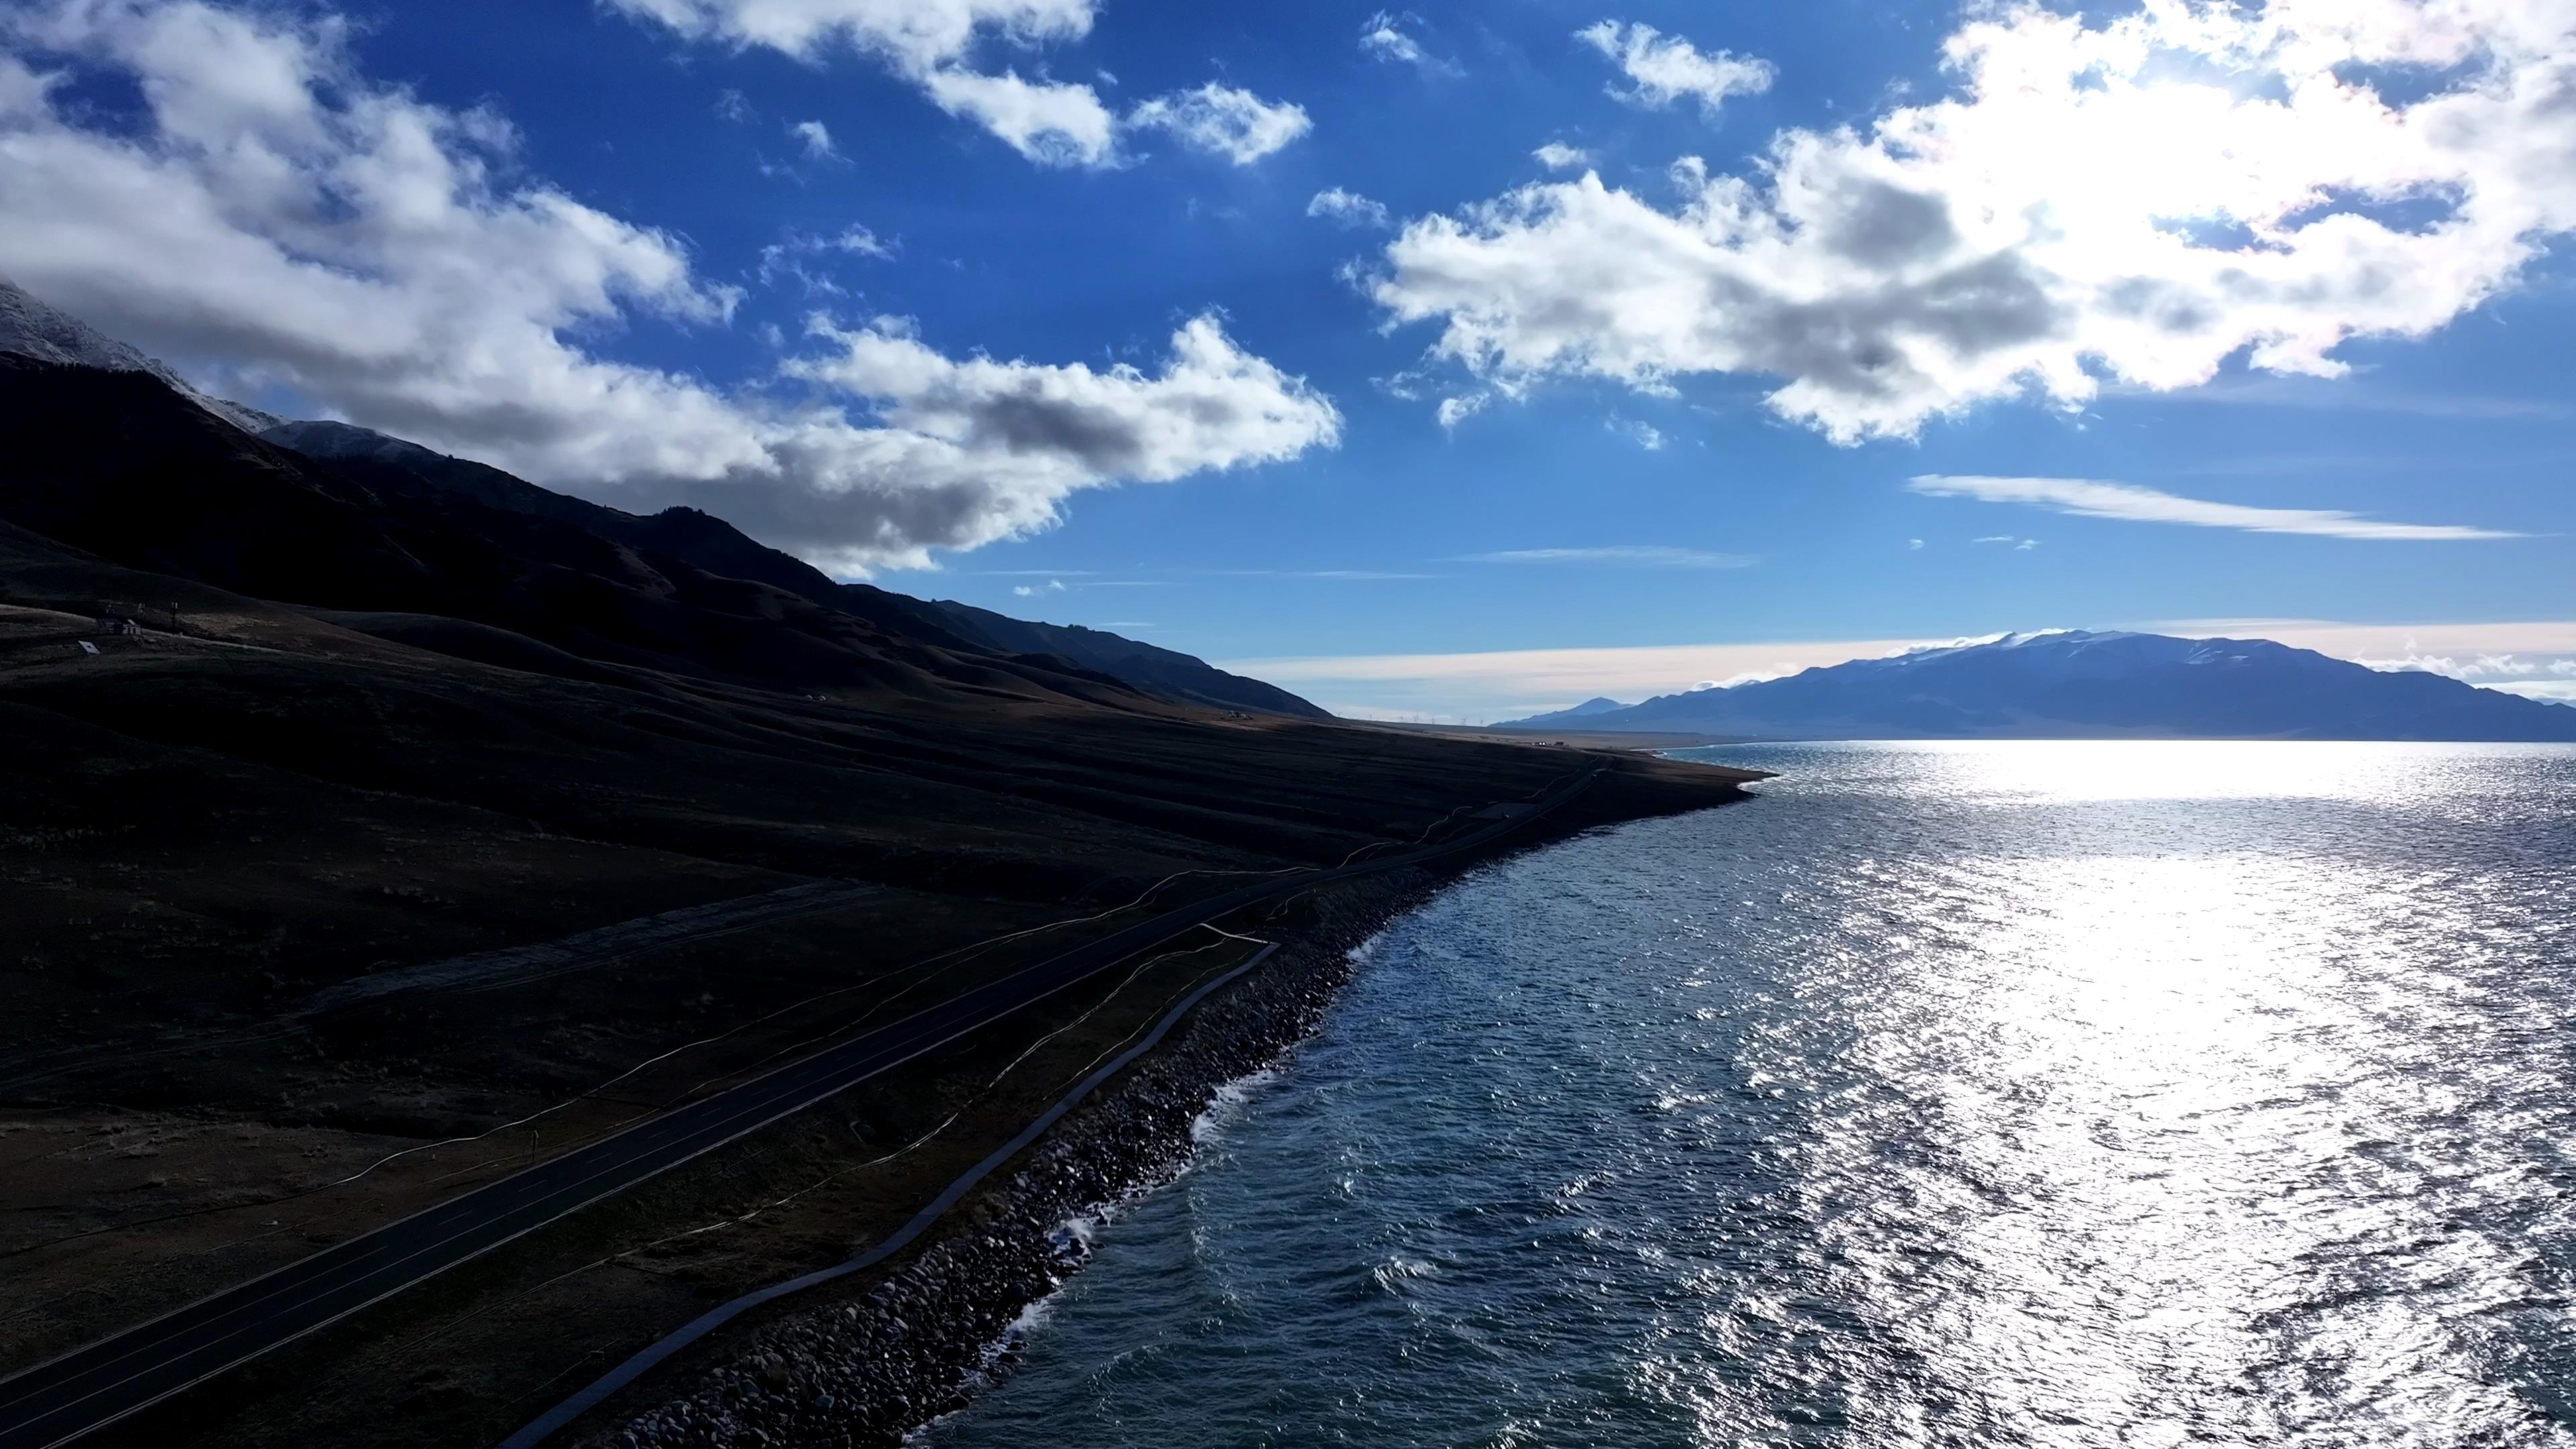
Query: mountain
(121, 466)
(1586, 711)
(1166, 672)
(121, 457)
(2076, 684)
(710, 543)
(33, 329)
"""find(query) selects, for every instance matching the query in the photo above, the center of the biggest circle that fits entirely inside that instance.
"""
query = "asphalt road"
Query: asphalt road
(89, 1388)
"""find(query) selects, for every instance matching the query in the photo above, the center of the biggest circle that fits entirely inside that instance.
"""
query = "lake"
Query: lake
(2078, 1094)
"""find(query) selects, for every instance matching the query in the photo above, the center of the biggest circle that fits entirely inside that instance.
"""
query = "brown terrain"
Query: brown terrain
(414, 836)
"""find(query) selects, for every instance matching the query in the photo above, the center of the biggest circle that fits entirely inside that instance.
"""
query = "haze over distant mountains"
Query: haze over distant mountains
(2077, 684)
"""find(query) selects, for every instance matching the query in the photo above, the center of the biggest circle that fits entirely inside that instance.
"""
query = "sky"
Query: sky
(1456, 362)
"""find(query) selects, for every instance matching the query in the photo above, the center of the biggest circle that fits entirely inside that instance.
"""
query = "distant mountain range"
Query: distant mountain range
(1583, 713)
(118, 456)
(2083, 685)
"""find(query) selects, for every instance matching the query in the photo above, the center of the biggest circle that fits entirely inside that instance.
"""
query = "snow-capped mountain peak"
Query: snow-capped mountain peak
(31, 328)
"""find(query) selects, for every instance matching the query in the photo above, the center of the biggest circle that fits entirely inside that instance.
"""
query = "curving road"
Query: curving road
(89, 1388)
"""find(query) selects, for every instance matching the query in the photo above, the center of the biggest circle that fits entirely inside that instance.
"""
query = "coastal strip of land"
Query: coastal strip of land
(107, 1380)
(246, 813)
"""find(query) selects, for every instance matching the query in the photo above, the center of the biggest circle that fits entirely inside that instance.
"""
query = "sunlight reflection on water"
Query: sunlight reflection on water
(1975, 1095)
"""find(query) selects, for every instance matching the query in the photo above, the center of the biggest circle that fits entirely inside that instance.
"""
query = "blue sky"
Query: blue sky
(1452, 387)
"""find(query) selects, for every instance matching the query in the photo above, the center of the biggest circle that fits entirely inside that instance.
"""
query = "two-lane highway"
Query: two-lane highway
(56, 1402)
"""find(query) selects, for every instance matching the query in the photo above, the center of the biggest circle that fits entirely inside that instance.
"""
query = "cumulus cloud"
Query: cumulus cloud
(1347, 208)
(1383, 36)
(1662, 69)
(816, 139)
(1224, 121)
(2087, 498)
(1052, 123)
(933, 44)
(1558, 156)
(2137, 200)
(917, 34)
(1635, 554)
(370, 252)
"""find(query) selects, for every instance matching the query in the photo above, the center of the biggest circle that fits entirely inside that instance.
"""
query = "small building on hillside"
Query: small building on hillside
(117, 626)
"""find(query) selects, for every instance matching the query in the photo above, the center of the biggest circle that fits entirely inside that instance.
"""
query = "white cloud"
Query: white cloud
(1212, 406)
(816, 139)
(1638, 554)
(1558, 156)
(1644, 435)
(788, 259)
(1050, 122)
(933, 44)
(2135, 201)
(1383, 35)
(2087, 498)
(1914, 543)
(1348, 208)
(1456, 410)
(915, 34)
(1662, 69)
(377, 255)
(1223, 121)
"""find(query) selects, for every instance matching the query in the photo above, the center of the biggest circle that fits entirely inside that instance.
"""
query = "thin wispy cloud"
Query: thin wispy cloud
(1662, 69)
(1456, 410)
(2091, 498)
(1347, 209)
(1384, 37)
(816, 138)
(2294, 392)
(1644, 435)
(1638, 555)
(1363, 575)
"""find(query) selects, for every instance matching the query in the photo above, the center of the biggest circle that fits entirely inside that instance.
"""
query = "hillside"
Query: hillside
(2083, 685)
(423, 801)
(123, 458)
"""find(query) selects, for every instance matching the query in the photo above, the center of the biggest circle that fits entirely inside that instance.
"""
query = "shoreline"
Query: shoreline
(898, 1348)
(877, 1355)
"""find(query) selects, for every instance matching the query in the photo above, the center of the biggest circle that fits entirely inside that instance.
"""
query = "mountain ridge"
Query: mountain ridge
(2085, 684)
(571, 576)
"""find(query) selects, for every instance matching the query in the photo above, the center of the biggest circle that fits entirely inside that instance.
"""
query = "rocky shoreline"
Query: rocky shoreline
(923, 1337)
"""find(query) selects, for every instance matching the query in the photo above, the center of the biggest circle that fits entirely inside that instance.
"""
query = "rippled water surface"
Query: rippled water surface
(2018, 1094)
